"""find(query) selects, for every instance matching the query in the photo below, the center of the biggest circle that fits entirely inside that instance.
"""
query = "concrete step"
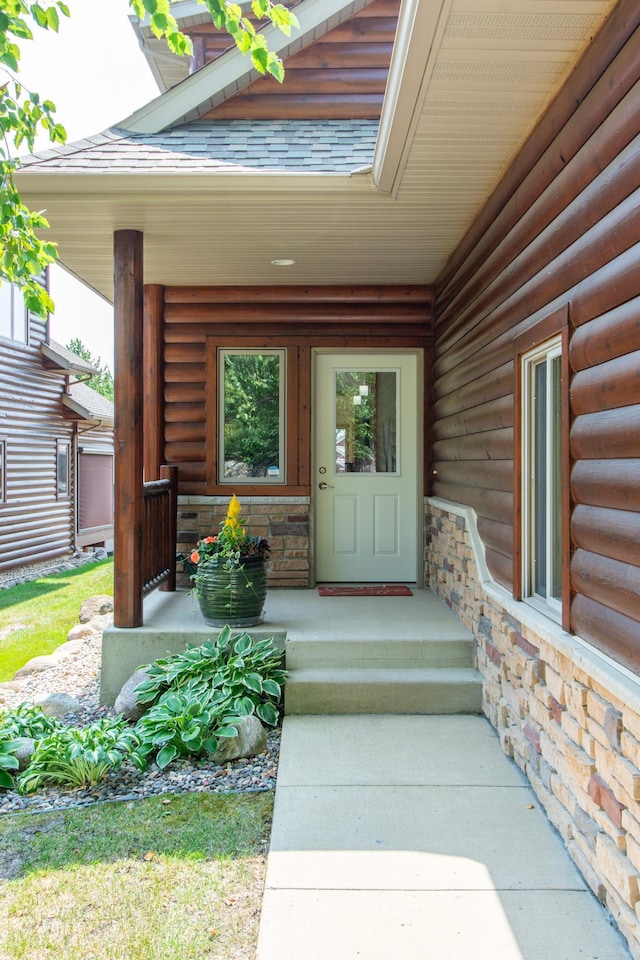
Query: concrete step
(395, 690)
(455, 651)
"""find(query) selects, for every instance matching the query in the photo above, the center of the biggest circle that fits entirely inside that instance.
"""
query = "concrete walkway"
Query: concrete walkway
(415, 838)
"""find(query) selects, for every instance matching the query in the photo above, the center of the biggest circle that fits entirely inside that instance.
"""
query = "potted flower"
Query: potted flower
(230, 581)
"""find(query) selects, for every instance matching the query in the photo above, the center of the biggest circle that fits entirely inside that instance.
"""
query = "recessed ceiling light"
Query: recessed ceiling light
(283, 263)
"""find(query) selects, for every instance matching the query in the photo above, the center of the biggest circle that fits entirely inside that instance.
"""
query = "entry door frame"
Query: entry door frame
(356, 352)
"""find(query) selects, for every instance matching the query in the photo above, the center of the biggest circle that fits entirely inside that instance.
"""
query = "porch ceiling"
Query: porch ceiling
(468, 81)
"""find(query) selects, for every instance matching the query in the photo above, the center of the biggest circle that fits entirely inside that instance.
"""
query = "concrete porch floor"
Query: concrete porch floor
(173, 620)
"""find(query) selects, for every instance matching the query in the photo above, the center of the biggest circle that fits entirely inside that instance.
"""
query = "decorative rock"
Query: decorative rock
(95, 606)
(58, 704)
(81, 631)
(35, 665)
(126, 701)
(24, 752)
(71, 647)
(251, 740)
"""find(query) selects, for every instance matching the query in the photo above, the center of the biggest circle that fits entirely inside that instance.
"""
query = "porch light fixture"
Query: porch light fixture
(283, 263)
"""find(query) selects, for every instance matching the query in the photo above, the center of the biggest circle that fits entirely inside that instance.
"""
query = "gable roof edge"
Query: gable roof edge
(411, 64)
(228, 74)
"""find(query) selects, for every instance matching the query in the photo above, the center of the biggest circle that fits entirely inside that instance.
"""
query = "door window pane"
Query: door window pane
(366, 410)
(252, 416)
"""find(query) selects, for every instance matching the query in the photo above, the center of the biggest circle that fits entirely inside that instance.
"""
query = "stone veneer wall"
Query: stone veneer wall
(568, 715)
(284, 522)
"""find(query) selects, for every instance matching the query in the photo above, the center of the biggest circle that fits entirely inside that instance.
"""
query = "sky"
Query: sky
(96, 75)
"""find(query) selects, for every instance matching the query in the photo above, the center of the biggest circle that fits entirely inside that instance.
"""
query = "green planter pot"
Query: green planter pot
(234, 597)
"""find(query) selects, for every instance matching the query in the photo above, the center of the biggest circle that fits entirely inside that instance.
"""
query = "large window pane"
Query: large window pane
(366, 421)
(252, 416)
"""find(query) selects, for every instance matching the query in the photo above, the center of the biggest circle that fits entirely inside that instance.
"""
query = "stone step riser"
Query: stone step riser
(364, 692)
(378, 653)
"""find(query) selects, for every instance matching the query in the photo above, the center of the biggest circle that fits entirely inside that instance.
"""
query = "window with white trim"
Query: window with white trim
(14, 319)
(251, 432)
(542, 477)
(63, 469)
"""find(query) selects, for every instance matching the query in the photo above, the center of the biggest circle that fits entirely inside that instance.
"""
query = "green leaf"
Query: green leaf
(272, 688)
(227, 732)
(6, 780)
(268, 713)
(243, 644)
(166, 755)
(260, 59)
(253, 681)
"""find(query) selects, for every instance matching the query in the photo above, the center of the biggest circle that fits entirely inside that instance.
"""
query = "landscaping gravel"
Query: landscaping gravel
(79, 675)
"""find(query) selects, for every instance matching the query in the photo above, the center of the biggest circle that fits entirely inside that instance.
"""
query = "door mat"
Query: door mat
(382, 590)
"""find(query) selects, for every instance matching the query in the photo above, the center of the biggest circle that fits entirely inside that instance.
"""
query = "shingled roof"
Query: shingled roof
(329, 146)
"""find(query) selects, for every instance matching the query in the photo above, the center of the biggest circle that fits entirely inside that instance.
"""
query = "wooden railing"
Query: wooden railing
(159, 532)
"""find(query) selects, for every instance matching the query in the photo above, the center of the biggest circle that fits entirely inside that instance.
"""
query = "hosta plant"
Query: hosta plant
(8, 762)
(26, 720)
(77, 757)
(243, 675)
(184, 723)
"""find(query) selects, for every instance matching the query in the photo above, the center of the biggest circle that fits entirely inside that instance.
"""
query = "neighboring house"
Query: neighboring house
(56, 445)
(436, 253)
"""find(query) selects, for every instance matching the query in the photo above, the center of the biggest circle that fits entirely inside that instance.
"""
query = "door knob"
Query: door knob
(325, 486)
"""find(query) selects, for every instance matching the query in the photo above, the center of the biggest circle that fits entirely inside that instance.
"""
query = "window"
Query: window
(542, 486)
(366, 421)
(3, 470)
(14, 321)
(251, 416)
(63, 464)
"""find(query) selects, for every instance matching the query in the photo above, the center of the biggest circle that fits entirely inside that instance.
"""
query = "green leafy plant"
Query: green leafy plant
(245, 675)
(26, 720)
(75, 757)
(184, 723)
(8, 762)
(200, 695)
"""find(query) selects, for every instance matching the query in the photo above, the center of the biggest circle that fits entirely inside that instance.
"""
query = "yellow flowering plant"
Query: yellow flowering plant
(232, 543)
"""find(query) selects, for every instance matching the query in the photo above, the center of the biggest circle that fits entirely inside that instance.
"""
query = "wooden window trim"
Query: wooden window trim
(552, 325)
(296, 439)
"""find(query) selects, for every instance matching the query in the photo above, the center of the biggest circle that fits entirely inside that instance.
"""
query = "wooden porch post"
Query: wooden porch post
(128, 431)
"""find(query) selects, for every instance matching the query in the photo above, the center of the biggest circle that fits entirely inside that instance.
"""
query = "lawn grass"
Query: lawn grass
(167, 878)
(36, 617)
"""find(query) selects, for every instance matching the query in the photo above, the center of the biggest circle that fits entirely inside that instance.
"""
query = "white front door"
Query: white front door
(366, 473)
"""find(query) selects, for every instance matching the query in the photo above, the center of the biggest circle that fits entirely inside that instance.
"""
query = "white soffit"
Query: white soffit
(232, 72)
(489, 68)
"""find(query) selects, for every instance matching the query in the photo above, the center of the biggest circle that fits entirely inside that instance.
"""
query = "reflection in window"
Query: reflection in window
(252, 416)
(366, 421)
(63, 465)
(542, 475)
(13, 313)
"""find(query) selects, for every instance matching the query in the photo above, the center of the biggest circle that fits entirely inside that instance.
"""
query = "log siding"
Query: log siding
(560, 234)
(35, 524)
(197, 321)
